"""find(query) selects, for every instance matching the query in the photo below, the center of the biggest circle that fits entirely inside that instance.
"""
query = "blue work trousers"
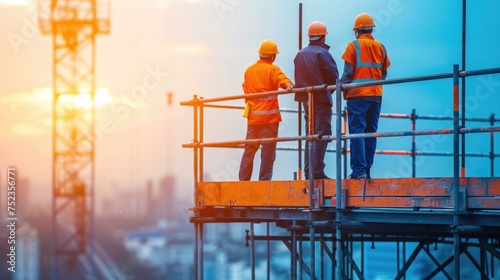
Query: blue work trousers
(267, 154)
(363, 116)
(322, 126)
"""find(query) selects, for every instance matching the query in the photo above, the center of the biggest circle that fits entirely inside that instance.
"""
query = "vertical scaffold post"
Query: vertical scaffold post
(252, 251)
(195, 148)
(200, 136)
(456, 165)
(268, 252)
(198, 248)
(299, 104)
(413, 144)
(344, 151)
(338, 182)
(310, 143)
(293, 259)
(464, 60)
(195, 266)
(492, 152)
(312, 157)
(200, 262)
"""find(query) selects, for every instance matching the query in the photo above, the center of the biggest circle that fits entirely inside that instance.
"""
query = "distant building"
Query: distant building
(28, 254)
(150, 198)
(125, 204)
(148, 246)
(166, 198)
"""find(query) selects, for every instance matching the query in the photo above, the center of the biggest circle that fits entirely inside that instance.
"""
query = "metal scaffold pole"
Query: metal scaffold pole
(338, 184)
(311, 148)
(456, 185)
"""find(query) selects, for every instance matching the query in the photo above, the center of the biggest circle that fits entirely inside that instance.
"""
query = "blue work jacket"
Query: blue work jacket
(314, 65)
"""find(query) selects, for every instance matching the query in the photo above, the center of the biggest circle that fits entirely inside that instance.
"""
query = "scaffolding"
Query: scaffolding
(338, 214)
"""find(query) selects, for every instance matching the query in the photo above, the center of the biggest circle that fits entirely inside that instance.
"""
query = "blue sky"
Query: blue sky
(203, 47)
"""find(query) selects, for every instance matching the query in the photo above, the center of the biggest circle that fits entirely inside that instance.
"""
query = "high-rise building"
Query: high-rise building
(28, 254)
(166, 198)
(150, 199)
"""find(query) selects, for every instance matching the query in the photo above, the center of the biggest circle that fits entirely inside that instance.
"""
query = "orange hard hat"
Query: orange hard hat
(317, 28)
(363, 21)
(268, 47)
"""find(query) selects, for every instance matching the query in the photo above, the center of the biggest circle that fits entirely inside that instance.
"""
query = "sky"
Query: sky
(202, 47)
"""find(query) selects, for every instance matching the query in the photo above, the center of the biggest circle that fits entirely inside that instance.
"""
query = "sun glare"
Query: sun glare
(44, 96)
(101, 98)
(15, 2)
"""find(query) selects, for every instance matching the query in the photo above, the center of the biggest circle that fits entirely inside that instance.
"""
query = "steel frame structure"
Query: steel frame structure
(73, 26)
(348, 220)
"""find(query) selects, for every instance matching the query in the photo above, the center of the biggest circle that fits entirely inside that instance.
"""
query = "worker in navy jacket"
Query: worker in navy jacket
(314, 65)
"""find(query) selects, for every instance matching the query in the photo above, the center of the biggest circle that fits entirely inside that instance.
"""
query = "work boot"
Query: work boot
(352, 177)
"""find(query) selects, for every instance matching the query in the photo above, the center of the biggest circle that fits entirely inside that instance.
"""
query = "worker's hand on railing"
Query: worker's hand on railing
(290, 86)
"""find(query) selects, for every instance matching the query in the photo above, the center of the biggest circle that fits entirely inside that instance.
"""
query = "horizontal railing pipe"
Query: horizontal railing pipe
(255, 95)
(397, 133)
(314, 137)
(421, 78)
(382, 115)
(395, 116)
(332, 88)
(479, 129)
(469, 73)
(317, 137)
(449, 118)
(417, 132)
(398, 80)
(396, 152)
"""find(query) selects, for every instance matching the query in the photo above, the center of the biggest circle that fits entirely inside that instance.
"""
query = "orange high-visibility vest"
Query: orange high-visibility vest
(260, 77)
(369, 58)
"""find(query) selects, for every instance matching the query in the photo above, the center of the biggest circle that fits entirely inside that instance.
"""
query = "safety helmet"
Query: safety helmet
(316, 28)
(268, 47)
(363, 21)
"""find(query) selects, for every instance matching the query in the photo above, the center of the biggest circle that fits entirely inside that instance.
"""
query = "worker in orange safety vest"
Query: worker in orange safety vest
(263, 114)
(365, 60)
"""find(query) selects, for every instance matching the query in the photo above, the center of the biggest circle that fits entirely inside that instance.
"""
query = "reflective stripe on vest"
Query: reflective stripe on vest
(264, 112)
(272, 97)
(363, 80)
(359, 63)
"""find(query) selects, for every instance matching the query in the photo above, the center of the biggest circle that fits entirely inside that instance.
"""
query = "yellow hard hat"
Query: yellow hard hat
(317, 28)
(363, 21)
(268, 47)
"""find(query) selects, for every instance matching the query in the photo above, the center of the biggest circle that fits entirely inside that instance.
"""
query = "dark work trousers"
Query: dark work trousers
(323, 126)
(363, 115)
(267, 153)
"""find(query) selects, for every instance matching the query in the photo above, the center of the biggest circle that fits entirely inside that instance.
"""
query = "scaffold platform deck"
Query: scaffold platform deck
(410, 202)
(432, 193)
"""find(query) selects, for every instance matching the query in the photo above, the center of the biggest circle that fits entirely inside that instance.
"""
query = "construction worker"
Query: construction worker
(263, 113)
(314, 65)
(365, 60)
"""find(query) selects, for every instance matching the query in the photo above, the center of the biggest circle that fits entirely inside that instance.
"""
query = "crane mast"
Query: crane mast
(73, 25)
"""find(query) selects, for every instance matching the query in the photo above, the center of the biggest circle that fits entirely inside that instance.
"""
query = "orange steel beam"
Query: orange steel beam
(480, 193)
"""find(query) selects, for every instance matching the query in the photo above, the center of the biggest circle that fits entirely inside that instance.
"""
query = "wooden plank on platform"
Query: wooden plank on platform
(482, 193)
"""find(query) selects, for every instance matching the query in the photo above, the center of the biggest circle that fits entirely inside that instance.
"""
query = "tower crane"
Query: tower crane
(73, 25)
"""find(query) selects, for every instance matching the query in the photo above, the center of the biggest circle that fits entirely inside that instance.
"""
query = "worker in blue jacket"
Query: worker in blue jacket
(314, 65)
